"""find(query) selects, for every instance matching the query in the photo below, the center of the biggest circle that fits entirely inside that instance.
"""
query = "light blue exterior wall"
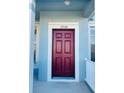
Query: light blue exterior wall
(83, 40)
(83, 47)
(43, 50)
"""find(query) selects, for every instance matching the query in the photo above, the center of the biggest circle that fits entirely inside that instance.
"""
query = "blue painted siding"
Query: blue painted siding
(83, 40)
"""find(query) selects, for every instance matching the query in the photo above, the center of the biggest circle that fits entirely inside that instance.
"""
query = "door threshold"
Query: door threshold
(64, 78)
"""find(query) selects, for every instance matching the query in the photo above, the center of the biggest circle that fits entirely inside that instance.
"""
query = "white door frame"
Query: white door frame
(74, 25)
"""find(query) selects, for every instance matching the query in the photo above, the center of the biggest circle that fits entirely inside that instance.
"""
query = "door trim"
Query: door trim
(72, 25)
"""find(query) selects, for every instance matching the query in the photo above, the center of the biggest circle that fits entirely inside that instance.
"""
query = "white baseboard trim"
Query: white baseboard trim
(92, 89)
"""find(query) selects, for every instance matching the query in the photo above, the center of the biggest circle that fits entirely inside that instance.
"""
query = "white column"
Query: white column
(32, 25)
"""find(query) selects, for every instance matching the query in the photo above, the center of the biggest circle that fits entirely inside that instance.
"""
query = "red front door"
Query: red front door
(63, 59)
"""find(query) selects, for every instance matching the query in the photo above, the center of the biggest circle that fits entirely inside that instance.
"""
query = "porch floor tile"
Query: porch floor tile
(60, 87)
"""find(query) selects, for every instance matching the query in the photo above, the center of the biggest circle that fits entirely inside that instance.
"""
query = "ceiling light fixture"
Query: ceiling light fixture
(67, 2)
